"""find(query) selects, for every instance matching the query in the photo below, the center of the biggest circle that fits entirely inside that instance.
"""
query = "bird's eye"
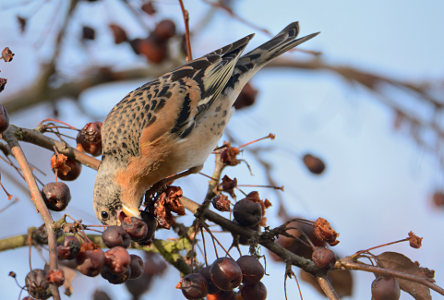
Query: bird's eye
(104, 215)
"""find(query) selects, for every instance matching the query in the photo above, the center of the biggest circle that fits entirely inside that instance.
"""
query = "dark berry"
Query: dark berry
(148, 8)
(88, 33)
(116, 236)
(314, 164)
(385, 288)
(256, 291)
(323, 258)
(194, 286)
(226, 273)
(37, 285)
(252, 269)
(56, 195)
(136, 266)
(164, 30)
(4, 117)
(136, 228)
(247, 212)
(212, 289)
(222, 295)
(90, 259)
(246, 98)
(117, 260)
(115, 278)
(71, 170)
(69, 249)
(90, 138)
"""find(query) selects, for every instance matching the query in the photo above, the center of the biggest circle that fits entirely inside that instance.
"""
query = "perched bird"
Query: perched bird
(172, 124)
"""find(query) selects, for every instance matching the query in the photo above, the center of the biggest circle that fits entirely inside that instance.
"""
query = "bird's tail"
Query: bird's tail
(254, 60)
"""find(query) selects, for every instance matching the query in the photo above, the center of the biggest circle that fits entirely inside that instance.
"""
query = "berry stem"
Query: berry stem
(186, 18)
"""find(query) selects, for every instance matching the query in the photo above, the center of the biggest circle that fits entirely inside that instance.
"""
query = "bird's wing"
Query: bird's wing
(171, 103)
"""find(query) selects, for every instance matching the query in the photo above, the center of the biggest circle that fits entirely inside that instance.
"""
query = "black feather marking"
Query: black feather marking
(183, 115)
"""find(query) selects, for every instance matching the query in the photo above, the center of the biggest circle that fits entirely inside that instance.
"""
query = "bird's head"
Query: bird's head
(107, 196)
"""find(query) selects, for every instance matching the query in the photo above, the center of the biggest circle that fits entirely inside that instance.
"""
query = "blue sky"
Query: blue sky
(377, 185)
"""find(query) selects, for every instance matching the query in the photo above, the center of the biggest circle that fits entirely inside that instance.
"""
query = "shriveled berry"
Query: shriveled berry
(56, 195)
(40, 235)
(136, 228)
(119, 33)
(314, 164)
(136, 266)
(7, 54)
(116, 236)
(247, 212)
(37, 285)
(256, 291)
(55, 277)
(154, 50)
(164, 30)
(194, 286)
(225, 273)
(323, 258)
(90, 138)
(4, 117)
(212, 289)
(69, 249)
(252, 269)
(90, 259)
(221, 203)
(385, 288)
(117, 260)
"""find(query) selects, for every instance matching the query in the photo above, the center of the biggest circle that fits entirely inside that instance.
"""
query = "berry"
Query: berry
(113, 277)
(90, 138)
(221, 203)
(140, 231)
(194, 286)
(314, 164)
(56, 195)
(116, 236)
(117, 260)
(154, 50)
(252, 269)
(37, 285)
(71, 169)
(119, 33)
(88, 33)
(4, 117)
(385, 288)
(212, 289)
(257, 291)
(7, 54)
(56, 277)
(148, 8)
(90, 259)
(164, 30)
(225, 273)
(247, 212)
(3, 82)
(69, 249)
(136, 266)
(323, 258)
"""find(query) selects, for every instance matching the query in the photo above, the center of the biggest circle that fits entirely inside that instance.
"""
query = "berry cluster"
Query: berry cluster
(218, 280)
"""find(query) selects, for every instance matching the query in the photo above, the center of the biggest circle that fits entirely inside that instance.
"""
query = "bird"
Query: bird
(172, 124)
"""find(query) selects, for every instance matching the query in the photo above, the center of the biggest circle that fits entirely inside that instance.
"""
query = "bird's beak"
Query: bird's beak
(131, 212)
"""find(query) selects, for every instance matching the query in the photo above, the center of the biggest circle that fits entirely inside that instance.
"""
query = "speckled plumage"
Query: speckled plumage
(173, 123)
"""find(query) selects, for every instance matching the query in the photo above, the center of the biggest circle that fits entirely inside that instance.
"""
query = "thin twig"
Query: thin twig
(327, 288)
(186, 18)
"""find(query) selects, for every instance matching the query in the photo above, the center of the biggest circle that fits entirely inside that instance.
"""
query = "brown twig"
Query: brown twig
(348, 263)
(186, 19)
(39, 203)
(327, 288)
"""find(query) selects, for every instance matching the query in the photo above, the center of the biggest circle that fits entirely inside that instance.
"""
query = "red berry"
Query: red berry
(226, 273)
(154, 50)
(56, 277)
(252, 269)
(56, 195)
(117, 260)
(212, 289)
(148, 8)
(164, 30)
(194, 286)
(247, 212)
(90, 259)
(136, 266)
(116, 236)
(385, 288)
(323, 258)
(90, 138)
(119, 33)
(257, 291)
(69, 249)
(70, 171)
(4, 117)
(37, 285)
